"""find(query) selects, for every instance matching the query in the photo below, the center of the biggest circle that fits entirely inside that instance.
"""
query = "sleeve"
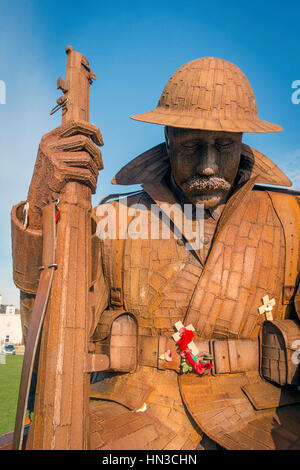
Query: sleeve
(27, 257)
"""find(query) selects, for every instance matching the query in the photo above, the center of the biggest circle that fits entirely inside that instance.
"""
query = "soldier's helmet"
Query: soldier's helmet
(209, 94)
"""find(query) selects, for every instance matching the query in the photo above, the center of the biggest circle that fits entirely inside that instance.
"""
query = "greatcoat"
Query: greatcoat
(141, 287)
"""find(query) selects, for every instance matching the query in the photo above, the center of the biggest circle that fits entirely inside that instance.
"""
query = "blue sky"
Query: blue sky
(134, 47)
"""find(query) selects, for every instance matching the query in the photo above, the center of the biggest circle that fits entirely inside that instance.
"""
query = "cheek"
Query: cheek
(229, 166)
(181, 168)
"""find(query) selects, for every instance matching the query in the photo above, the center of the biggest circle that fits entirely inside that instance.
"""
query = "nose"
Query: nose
(207, 164)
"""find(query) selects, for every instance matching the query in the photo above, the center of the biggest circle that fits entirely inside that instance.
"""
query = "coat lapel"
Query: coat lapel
(165, 199)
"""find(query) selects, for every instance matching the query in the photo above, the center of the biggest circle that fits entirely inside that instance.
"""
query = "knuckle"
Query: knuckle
(82, 157)
(81, 140)
(84, 139)
(54, 133)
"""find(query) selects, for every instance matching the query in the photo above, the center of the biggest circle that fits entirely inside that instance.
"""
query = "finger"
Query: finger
(82, 127)
(76, 160)
(80, 175)
(78, 143)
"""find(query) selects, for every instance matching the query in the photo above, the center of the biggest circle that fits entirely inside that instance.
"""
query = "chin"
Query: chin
(209, 201)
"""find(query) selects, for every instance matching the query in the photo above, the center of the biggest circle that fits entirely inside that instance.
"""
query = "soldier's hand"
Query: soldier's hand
(68, 153)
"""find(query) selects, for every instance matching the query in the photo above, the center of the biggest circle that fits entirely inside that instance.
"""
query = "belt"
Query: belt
(229, 356)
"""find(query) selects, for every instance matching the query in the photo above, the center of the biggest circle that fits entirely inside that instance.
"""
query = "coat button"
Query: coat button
(205, 240)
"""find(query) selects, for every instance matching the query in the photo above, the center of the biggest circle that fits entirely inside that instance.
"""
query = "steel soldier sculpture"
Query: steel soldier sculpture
(239, 290)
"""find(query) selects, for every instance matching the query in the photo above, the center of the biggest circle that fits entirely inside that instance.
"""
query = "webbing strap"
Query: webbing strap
(113, 257)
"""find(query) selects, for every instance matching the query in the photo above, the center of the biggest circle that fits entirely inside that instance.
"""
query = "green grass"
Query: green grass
(10, 374)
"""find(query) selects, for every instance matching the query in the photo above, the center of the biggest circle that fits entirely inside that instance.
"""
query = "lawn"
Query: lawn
(10, 374)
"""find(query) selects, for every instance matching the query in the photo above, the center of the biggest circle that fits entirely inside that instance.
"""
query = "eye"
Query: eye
(224, 145)
(190, 145)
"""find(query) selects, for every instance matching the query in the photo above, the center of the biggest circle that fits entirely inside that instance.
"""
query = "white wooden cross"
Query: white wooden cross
(267, 307)
(176, 337)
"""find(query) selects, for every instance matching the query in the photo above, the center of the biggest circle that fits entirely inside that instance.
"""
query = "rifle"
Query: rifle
(61, 306)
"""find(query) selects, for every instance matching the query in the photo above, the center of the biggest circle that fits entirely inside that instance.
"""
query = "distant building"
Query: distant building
(10, 324)
(9, 310)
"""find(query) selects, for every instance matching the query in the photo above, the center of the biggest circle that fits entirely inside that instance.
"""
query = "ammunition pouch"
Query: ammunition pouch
(278, 348)
(117, 336)
(127, 349)
(280, 352)
(228, 356)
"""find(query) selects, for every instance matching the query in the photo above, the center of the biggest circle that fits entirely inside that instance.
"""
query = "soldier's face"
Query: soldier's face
(204, 163)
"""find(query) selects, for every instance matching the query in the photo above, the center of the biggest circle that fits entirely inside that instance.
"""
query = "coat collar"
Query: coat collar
(150, 169)
(152, 165)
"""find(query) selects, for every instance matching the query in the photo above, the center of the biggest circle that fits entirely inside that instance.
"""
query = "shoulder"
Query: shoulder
(285, 203)
(278, 193)
(273, 189)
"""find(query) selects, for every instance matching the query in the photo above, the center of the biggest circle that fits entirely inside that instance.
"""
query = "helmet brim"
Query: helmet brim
(194, 122)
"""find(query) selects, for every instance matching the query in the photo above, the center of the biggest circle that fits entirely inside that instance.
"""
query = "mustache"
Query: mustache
(202, 183)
